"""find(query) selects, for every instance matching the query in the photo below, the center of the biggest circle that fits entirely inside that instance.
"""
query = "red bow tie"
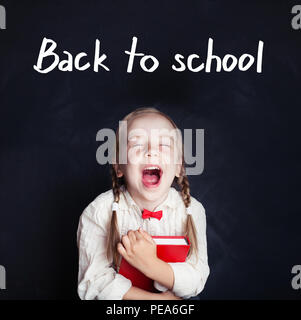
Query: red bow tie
(149, 214)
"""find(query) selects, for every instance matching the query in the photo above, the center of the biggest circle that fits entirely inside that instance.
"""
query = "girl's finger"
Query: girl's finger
(126, 243)
(146, 235)
(121, 249)
(138, 235)
(132, 236)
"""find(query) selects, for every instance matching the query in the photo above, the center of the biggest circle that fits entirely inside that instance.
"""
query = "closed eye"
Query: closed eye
(161, 144)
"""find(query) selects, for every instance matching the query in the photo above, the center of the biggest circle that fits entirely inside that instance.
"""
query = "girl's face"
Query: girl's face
(153, 157)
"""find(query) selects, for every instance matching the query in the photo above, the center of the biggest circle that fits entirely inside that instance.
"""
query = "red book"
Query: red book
(169, 249)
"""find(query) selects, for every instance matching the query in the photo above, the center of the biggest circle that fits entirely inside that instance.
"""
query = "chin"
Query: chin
(153, 193)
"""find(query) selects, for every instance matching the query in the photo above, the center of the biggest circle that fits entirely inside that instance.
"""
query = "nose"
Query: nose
(152, 150)
(152, 153)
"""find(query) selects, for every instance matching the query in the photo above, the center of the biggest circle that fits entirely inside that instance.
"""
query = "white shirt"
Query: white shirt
(97, 280)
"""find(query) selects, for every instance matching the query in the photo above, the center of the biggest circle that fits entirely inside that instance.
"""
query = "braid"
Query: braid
(115, 185)
(184, 186)
(190, 231)
(113, 236)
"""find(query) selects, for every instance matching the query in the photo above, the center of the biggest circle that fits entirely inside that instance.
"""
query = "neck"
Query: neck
(150, 205)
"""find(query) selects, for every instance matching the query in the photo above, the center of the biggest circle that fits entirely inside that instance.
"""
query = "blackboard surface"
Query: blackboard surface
(48, 169)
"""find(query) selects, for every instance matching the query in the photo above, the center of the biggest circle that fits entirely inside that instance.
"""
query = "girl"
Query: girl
(113, 226)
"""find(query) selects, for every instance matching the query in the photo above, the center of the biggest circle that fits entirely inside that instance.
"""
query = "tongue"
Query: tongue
(150, 178)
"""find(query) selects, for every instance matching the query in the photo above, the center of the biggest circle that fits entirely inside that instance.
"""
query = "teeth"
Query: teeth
(152, 168)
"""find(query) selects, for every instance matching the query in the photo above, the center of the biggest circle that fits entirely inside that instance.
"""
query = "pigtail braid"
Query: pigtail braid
(190, 230)
(113, 235)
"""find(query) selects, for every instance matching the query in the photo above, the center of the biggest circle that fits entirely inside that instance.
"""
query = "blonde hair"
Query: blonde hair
(181, 181)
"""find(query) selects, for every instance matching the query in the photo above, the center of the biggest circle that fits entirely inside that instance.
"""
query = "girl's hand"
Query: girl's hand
(139, 249)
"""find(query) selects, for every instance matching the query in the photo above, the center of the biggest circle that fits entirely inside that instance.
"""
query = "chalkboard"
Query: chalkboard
(49, 122)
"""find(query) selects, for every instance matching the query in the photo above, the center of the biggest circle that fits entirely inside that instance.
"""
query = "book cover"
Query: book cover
(169, 249)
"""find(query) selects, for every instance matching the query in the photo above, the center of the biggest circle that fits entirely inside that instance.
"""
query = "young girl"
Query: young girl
(113, 226)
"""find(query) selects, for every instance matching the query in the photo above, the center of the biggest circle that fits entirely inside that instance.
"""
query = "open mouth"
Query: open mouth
(151, 176)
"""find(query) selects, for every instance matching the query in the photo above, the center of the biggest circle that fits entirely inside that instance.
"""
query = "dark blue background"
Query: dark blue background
(48, 169)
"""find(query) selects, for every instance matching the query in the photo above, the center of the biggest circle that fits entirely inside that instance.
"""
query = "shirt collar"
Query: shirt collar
(170, 201)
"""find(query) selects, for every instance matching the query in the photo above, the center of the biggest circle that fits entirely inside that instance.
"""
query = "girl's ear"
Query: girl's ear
(118, 171)
(178, 170)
